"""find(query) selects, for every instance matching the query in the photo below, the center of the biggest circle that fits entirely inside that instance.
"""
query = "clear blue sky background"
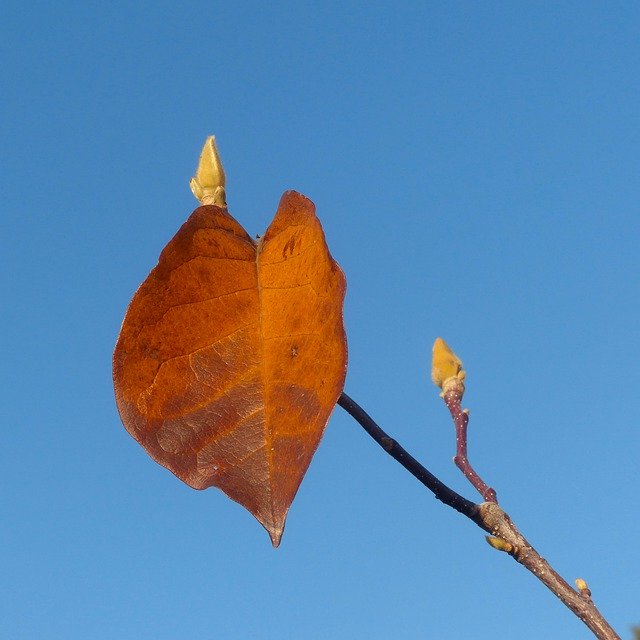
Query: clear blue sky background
(475, 166)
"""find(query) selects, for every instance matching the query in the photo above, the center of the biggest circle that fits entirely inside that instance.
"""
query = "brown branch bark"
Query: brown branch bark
(492, 519)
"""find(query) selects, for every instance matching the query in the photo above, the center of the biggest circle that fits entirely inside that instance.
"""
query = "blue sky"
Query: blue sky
(475, 167)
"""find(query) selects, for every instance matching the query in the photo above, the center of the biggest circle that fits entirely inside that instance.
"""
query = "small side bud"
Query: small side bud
(445, 364)
(208, 185)
(500, 544)
(583, 588)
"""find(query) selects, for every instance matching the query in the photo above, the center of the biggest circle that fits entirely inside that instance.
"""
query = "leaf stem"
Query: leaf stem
(492, 519)
(440, 490)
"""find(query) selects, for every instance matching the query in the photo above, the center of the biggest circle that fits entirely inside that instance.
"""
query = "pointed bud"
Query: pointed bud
(445, 364)
(208, 185)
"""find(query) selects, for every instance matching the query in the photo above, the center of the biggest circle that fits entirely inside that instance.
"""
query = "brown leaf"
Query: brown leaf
(232, 356)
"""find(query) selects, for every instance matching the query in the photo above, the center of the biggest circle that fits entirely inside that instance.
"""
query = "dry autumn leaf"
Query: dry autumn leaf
(232, 356)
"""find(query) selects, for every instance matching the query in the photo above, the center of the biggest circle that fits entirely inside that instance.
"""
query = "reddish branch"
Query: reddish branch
(452, 395)
(488, 515)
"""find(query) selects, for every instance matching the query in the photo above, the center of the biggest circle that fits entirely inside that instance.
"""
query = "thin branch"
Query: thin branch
(440, 490)
(452, 397)
(490, 517)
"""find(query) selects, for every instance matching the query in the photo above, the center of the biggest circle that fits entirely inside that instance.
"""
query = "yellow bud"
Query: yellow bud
(445, 364)
(582, 586)
(499, 544)
(209, 182)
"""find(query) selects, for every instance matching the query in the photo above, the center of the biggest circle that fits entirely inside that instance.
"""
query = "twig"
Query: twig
(490, 517)
(452, 396)
(440, 490)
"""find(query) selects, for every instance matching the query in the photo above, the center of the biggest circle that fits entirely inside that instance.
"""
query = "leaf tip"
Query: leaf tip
(275, 533)
(445, 364)
(208, 185)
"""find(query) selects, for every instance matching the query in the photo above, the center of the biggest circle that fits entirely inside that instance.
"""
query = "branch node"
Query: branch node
(387, 443)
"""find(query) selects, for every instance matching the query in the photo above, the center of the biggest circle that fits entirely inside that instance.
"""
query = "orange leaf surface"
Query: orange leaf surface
(232, 356)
